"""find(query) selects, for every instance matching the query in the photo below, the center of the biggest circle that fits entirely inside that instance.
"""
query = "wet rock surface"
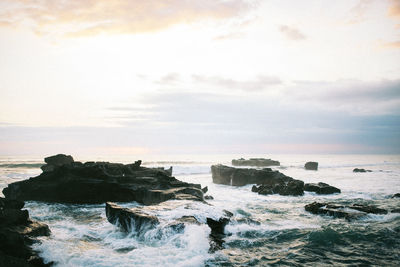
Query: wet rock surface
(321, 188)
(66, 181)
(311, 165)
(348, 212)
(255, 162)
(17, 233)
(268, 181)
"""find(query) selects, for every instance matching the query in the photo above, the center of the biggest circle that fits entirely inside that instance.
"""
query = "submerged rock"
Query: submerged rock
(321, 188)
(270, 182)
(255, 162)
(311, 165)
(17, 233)
(396, 195)
(133, 219)
(351, 212)
(361, 170)
(99, 182)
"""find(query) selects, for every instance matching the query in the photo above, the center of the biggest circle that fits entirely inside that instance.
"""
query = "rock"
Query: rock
(361, 170)
(342, 211)
(205, 189)
(217, 234)
(17, 233)
(396, 210)
(321, 188)
(255, 162)
(99, 182)
(130, 219)
(286, 188)
(311, 165)
(222, 174)
(396, 195)
(208, 197)
(59, 160)
(270, 182)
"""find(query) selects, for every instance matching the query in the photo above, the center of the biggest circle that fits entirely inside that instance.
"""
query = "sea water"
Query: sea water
(268, 230)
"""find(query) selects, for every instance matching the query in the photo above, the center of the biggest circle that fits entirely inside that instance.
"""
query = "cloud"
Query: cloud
(395, 44)
(357, 13)
(354, 97)
(90, 17)
(170, 78)
(394, 8)
(260, 83)
(292, 33)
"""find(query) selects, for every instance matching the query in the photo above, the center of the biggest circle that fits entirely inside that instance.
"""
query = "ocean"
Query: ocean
(265, 230)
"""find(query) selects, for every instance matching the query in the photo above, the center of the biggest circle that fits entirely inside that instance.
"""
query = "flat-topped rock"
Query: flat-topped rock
(17, 233)
(311, 165)
(129, 220)
(348, 212)
(321, 188)
(361, 170)
(255, 162)
(99, 182)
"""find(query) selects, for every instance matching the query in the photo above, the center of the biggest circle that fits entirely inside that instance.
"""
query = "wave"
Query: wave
(21, 165)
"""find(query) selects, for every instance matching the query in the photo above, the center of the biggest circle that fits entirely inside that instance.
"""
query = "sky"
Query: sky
(199, 77)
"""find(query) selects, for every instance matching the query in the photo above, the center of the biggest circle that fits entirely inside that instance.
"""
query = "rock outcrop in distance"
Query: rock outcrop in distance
(17, 233)
(67, 181)
(348, 212)
(311, 165)
(268, 181)
(255, 162)
(361, 170)
(136, 220)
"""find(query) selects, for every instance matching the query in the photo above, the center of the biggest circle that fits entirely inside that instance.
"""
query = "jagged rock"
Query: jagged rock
(286, 188)
(217, 234)
(342, 211)
(59, 160)
(99, 182)
(205, 189)
(255, 162)
(133, 219)
(17, 233)
(321, 188)
(361, 170)
(208, 197)
(311, 165)
(396, 195)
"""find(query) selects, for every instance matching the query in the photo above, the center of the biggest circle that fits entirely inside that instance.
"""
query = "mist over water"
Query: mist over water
(268, 230)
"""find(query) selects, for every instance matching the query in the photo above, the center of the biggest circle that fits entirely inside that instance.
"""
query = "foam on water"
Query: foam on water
(264, 230)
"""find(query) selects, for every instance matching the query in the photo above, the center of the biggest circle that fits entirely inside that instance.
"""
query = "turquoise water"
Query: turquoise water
(264, 231)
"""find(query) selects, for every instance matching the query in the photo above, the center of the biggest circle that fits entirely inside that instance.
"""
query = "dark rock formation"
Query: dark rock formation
(396, 195)
(271, 182)
(56, 161)
(342, 211)
(208, 197)
(321, 188)
(285, 188)
(99, 182)
(361, 170)
(130, 219)
(255, 162)
(17, 233)
(311, 165)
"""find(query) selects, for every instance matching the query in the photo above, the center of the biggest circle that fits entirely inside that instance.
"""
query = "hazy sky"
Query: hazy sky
(187, 76)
